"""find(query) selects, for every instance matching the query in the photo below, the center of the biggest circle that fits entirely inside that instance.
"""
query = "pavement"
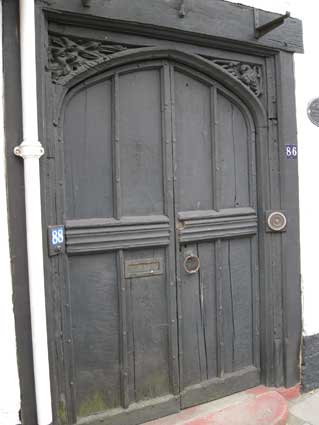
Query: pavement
(304, 410)
(257, 406)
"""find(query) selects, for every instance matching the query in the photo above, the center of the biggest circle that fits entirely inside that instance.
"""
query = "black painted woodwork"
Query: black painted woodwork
(204, 20)
(176, 80)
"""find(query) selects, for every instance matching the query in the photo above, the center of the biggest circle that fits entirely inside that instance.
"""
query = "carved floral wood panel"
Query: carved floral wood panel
(69, 57)
(72, 56)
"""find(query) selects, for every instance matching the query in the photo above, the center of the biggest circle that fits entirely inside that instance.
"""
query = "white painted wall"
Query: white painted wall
(9, 382)
(307, 87)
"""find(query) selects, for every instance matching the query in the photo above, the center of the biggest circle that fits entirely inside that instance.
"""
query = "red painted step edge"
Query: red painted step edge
(262, 406)
(288, 393)
(266, 408)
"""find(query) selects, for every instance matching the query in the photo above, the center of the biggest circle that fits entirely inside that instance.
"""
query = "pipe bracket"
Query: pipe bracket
(29, 150)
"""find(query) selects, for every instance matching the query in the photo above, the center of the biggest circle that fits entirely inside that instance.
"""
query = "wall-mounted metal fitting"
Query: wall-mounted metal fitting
(276, 221)
(86, 3)
(182, 11)
(191, 264)
(261, 30)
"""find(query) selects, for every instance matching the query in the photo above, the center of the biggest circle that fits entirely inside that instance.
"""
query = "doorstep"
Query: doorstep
(257, 406)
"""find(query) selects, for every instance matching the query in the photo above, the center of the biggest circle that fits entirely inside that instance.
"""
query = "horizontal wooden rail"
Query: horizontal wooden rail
(98, 235)
(207, 225)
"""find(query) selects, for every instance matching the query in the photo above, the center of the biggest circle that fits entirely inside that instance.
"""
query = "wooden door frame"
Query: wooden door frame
(281, 324)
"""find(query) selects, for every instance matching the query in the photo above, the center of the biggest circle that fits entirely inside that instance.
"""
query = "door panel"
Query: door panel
(217, 226)
(148, 348)
(199, 317)
(88, 146)
(122, 286)
(159, 166)
(237, 303)
(94, 298)
(140, 136)
(194, 155)
(233, 147)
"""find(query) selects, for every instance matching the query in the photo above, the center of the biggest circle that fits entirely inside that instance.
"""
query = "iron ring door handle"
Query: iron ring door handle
(191, 264)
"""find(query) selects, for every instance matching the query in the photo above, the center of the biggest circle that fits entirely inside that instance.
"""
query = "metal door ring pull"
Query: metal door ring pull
(191, 264)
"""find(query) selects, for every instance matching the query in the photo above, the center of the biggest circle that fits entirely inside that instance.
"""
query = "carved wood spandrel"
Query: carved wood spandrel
(248, 74)
(69, 56)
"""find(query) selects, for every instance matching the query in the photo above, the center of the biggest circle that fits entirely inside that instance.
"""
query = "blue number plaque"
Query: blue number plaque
(56, 240)
(291, 151)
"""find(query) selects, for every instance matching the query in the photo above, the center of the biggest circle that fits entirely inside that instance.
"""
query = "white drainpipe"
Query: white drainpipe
(31, 150)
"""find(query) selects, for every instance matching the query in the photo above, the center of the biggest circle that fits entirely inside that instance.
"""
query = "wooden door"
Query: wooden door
(121, 245)
(160, 214)
(216, 242)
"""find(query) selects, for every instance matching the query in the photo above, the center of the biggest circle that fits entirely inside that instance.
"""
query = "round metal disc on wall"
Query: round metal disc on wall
(191, 264)
(277, 221)
(313, 111)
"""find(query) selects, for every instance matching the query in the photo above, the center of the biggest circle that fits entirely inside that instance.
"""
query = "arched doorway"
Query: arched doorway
(160, 209)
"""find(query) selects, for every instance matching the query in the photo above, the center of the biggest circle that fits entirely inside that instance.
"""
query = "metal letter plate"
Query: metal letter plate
(144, 267)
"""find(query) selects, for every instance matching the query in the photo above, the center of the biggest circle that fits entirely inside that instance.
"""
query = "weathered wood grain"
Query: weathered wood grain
(209, 225)
(108, 235)
(204, 18)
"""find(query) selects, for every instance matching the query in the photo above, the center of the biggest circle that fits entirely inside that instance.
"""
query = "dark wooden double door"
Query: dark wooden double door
(161, 222)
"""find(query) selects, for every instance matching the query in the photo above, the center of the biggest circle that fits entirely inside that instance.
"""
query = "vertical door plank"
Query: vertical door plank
(178, 248)
(241, 272)
(215, 147)
(167, 142)
(208, 292)
(238, 298)
(116, 148)
(194, 357)
(241, 140)
(228, 307)
(123, 329)
(220, 309)
(226, 152)
(255, 300)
